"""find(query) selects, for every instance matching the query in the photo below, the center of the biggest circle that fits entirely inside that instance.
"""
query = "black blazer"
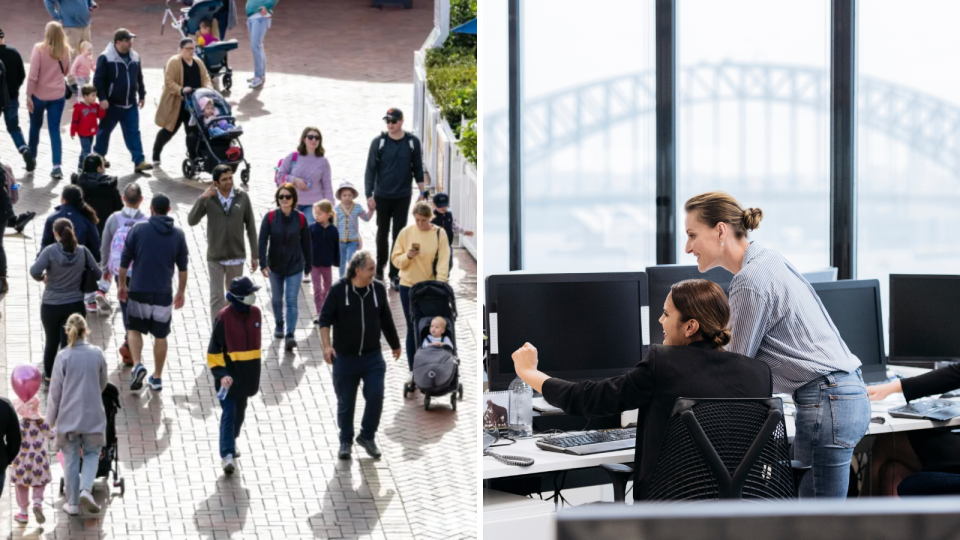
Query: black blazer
(937, 450)
(666, 373)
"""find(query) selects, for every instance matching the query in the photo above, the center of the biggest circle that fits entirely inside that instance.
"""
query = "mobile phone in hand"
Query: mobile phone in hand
(416, 247)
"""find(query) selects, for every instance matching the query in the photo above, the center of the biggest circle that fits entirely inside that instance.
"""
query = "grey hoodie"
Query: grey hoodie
(64, 272)
(74, 405)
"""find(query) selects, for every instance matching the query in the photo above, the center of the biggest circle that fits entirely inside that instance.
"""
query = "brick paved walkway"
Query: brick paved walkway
(336, 64)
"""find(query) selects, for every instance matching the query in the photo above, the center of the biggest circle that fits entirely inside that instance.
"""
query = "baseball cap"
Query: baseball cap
(394, 114)
(160, 203)
(441, 200)
(123, 35)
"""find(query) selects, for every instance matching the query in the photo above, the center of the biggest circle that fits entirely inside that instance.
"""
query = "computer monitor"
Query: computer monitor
(854, 308)
(821, 276)
(584, 326)
(661, 277)
(924, 318)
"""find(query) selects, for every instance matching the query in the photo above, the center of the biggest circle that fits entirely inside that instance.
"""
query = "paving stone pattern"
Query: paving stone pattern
(336, 64)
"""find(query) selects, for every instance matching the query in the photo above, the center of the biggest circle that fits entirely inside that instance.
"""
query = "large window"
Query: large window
(494, 126)
(588, 131)
(908, 149)
(753, 91)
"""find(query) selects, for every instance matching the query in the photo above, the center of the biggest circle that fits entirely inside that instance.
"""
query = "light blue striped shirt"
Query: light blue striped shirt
(777, 318)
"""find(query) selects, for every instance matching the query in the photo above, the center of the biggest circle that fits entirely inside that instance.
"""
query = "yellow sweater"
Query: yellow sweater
(420, 268)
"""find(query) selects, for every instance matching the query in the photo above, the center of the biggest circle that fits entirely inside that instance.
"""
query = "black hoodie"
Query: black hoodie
(100, 191)
(358, 316)
(15, 73)
(156, 245)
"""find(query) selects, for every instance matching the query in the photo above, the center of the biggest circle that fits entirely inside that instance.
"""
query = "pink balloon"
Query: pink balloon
(25, 381)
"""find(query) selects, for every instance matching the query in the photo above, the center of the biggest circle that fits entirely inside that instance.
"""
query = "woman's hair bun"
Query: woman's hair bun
(752, 218)
(721, 339)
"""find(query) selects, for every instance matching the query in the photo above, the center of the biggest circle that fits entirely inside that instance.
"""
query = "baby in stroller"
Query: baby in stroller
(216, 126)
(437, 337)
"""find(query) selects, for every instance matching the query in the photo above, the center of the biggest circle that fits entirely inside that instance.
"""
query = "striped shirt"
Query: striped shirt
(347, 222)
(777, 318)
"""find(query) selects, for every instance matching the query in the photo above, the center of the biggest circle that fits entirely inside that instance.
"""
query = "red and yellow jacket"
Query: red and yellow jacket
(235, 350)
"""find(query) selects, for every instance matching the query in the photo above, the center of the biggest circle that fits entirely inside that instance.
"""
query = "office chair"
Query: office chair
(720, 449)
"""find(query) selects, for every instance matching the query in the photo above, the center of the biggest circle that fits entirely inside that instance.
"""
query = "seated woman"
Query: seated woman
(690, 363)
(938, 451)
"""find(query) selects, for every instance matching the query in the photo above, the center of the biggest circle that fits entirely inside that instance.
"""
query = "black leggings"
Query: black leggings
(3, 258)
(164, 136)
(54, 317)
(389, 209)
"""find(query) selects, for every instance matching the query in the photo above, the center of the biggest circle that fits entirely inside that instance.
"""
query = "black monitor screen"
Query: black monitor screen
(661, 278)
(853, 311)
(925, 317)
(579, 329)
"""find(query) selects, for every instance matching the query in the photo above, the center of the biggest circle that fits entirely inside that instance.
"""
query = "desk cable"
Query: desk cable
(517, 461)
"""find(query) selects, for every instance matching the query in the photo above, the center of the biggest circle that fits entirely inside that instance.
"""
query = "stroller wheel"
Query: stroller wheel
(245, 176)
(453, 401)
(187, 168)
(123, 487)
(227, 81)
(426, 403)
(460, 390)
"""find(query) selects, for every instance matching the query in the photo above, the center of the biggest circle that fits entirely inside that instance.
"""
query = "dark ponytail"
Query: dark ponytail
(74, 197)
(705, 302)
(64, 229)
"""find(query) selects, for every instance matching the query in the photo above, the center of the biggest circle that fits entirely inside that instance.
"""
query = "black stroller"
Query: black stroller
(109, 455)
(214, 55)
(436, 370)
(214, 142)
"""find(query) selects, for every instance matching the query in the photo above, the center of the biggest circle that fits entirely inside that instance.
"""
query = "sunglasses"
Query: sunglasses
(285, 197)
(313, 137)
(392, 121)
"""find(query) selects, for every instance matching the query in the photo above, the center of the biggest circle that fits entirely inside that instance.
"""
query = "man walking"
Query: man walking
(395, 158)
(74, 16)
(115, 232)
(13, 73)
(358, 310)
(234, 360)
(157, 246)
(228, 213)
(119, 81)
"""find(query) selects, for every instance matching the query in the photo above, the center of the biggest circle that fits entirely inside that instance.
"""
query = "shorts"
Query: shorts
(150, 313)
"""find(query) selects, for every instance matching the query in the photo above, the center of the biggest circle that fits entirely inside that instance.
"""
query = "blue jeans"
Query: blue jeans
(234, 411)
(930, 483)
(285, 288)
(258, 30)
(129, 120)
(12, 120)
(348, 371)
(347, 249)
(54, 110)
(307, 210)
(411, 345)
(833, 414)
(75, 477)
(86, 144)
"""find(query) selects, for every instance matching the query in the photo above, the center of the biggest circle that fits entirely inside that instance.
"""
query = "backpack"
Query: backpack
(8, 185)
(383, 141)
(303, 219)
(278, 176)
(119, 239)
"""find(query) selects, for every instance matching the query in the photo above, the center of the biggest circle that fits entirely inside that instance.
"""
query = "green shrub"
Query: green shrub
(454, 89)
(468, 141)
(462, 11)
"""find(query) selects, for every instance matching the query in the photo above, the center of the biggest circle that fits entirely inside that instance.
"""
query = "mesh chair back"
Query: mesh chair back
(723, 449)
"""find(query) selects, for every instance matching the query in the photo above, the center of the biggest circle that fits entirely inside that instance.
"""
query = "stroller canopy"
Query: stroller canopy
(223, 108)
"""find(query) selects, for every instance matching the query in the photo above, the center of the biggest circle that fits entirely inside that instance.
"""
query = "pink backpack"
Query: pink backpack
(278, 177)
(14, 193)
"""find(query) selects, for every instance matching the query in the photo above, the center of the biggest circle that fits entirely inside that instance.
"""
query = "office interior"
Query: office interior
(836, 117)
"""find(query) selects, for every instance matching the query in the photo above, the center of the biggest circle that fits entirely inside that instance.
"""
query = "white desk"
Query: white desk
(514, 516)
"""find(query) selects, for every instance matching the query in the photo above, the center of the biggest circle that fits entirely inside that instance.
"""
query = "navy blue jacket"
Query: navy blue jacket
(445, 221)
(285, 243)
(326, 245)
(83, 228)
(392, 170)
(119, 80)
(155, 245)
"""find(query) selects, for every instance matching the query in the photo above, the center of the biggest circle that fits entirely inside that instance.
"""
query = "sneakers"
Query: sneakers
(21, 517)
(410, 379)
(88, 503)
(250, 80)
(278, 333)
(395, 282)
(92, 307)
(103, 302)
(22, 221)
(71, 509)
(139, 373)
(370, 446)
(143, 166)
(125, 355)
(289, 343)
(38, 512)
(256, 83)
(227, 464)
(156, 161)
(56, 173)
(344, 452)
(28, 159)
(155, 384)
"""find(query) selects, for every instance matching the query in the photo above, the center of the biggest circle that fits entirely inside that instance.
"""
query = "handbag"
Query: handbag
(88, 280)
(68, 93)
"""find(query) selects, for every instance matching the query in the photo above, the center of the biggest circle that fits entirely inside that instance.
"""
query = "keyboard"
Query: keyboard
(931, 409)
(590, 442)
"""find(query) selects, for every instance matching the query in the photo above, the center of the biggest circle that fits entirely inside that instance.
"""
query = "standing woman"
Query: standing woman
(61, 266)
(259, 15)
(422, 253)
(776, 317)
(309, 171)
(49, 64)
(285, 252)
(182, 75)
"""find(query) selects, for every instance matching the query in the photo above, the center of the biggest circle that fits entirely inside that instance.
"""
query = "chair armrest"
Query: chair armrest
(620, 474)
(799, 470)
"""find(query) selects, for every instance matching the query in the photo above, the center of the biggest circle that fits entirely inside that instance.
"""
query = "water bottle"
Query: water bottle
(222, 394)
(15, 186)
(521, 408)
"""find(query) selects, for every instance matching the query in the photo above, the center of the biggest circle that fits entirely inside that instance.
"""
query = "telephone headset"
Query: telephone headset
(491, 436)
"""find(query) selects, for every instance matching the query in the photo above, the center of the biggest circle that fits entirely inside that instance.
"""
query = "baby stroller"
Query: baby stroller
(212, 144)
(109, 455)
(214, 55)
(436, 370)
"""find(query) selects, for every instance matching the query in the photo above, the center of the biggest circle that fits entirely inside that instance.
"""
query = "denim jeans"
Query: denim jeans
(234, 411)
(257, 28)
(75, 477)
(833, 414)
(129, 120)
(348, 371)
(347, 249)
(307, 210)
(12, 120)
(54, 110)
(411, 345)
(930, 483)
(86, 144)
(285, 288)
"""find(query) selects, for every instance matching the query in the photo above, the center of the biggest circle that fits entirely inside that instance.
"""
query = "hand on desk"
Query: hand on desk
(879, 392)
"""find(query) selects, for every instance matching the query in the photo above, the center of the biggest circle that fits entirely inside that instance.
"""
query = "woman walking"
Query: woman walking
(85, 221)
(61, 266)
(309, 171)
(75, 409)
(182, 75)
(777, 317)
(259, 15)
(422, 253)
(285, 253)
(46, 91)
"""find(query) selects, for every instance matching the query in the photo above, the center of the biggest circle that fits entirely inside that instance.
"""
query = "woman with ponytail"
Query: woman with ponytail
(691, 363)
(75, 410)
(777, 318)
(74, 207)
(61, 267)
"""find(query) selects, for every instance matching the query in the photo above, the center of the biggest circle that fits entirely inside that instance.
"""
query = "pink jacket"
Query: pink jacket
(83, 67)
(46, 80)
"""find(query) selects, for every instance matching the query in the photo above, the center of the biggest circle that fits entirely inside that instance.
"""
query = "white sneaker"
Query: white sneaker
(227, 464)
(103, 302)
(88, 503)
(71, 509)
(256, 83)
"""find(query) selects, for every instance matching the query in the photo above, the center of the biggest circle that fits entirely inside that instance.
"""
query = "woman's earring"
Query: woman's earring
(721, 243)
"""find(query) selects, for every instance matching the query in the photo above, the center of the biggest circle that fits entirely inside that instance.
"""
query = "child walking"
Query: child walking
(31, 467)
(443, 217)
(83, 65)
(348, 224)
(326, 251)
(86, 117)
